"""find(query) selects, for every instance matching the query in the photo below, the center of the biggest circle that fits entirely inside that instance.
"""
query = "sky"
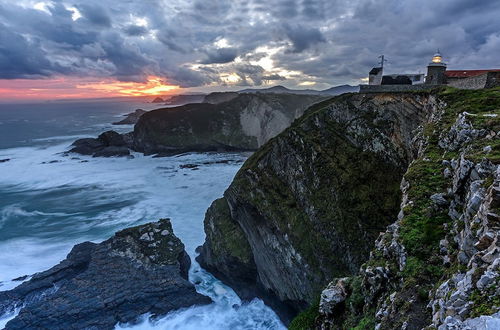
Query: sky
(99, 48)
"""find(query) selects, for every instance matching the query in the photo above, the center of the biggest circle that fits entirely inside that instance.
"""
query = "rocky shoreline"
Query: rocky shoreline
(139, 270)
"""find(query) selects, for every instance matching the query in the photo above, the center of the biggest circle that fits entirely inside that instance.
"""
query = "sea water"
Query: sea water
(50, 201)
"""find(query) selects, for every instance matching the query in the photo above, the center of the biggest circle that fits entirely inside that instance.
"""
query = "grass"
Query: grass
(306, 320)
(423, 224)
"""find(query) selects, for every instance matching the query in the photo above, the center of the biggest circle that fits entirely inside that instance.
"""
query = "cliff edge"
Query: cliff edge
(306, 212)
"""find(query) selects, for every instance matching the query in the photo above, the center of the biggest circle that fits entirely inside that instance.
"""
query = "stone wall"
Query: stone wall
(486, 80)
(476, 82)
(393, 88)
(493, 80)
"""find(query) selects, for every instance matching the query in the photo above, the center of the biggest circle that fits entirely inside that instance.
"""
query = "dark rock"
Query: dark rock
(112, 138)
(4, 160)
(192, 166)
(87, 146)
(108, 144)
(112, 152)
(88, 142)
(21, 278)
(139, 270)
(439, 200)
(131, 118)
(158, 100)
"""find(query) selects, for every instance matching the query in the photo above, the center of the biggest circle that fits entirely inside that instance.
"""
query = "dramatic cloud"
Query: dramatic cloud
(221, 55)
(303, 38)
(135, 30)
(234, 42)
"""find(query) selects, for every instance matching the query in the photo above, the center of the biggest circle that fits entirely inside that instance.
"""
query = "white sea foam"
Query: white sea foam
(64, 200)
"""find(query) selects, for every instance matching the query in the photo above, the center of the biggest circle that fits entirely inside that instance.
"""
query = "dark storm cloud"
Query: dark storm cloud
(95, 14)
(220, 55)
(325, 41)
(21, 58)
(303, 38)
(135, 30)
(273, 77)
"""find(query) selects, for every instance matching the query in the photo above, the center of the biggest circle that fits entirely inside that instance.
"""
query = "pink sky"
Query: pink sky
(69, 87)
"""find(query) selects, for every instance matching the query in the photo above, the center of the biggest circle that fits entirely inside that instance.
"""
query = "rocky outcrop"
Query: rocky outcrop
(242, 123)
(308, 206)
(139, 270)
(131, 118)
(437, 266)
(158, 100)
(108, 144)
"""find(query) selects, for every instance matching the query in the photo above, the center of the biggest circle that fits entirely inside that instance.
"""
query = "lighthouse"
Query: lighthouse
(436, 70)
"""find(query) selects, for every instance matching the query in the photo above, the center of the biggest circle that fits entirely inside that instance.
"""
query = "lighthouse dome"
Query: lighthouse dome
(437, 58)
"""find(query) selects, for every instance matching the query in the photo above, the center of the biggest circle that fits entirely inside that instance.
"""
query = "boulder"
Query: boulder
(139, 270)
(112, 151)
(108, 144)
(331, 297)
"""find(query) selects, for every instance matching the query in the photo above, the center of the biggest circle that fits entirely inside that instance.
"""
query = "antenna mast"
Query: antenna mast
(382, 60)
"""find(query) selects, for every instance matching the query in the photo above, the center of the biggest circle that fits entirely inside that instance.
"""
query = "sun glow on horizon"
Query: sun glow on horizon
(74, 87)
(155, 86)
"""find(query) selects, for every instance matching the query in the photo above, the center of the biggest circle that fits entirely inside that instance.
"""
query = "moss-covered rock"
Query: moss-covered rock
(437, 265)
(311, 202)
(242, 122)
(232, 254)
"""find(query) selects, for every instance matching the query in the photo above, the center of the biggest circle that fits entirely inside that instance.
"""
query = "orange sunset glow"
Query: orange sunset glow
(67, 87)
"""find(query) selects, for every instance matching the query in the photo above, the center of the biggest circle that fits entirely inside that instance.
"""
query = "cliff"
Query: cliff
(234, 122)
(242, 123)
(437, 264)
(306, 211)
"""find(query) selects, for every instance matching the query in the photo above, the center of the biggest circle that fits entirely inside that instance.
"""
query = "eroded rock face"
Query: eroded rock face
(437, 265)
(242, 122)
(311, 202)
(139, 270)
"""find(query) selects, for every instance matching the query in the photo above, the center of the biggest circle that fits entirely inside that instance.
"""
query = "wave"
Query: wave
(51, 202)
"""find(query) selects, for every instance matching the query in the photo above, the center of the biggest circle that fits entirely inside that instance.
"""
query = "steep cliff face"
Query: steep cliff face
(308, 206)
(244, 122)
(437, 265)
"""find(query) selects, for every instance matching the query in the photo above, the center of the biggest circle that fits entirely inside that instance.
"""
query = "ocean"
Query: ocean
(50, 201)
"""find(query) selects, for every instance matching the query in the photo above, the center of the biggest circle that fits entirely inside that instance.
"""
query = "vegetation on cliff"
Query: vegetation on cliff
(242, 122)
(439, 234)
(311, 202)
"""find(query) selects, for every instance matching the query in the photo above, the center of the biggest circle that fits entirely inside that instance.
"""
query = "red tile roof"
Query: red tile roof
(467, 73)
